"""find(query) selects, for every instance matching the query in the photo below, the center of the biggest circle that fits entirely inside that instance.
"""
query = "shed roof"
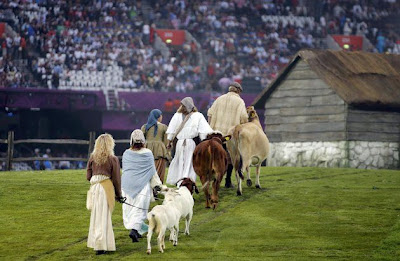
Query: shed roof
(359, 78)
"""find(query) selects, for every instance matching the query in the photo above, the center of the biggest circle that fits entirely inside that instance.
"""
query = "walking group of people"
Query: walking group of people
(144, 163)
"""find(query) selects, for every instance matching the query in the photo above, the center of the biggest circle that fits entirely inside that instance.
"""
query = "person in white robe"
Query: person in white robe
(139, 178)
(186, 124)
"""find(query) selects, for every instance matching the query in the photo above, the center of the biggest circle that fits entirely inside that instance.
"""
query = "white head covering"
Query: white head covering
(188, 103)
(137, 136)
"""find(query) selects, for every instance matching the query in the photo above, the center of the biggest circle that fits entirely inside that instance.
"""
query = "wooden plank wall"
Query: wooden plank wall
(373, 125)
(304, 108)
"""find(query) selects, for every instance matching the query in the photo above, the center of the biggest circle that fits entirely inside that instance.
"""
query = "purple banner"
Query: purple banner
(128, 121)
(52, 99)
(116, 120)
(146, 101)
(139, 104)
(134, 106)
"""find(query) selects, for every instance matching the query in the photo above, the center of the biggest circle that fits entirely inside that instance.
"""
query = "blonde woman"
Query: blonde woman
(103, 172)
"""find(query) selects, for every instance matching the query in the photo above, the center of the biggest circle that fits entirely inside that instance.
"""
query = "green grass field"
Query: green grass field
(300, 214)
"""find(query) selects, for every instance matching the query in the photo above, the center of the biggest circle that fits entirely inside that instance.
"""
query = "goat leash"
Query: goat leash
(123, 201)
(134, 206)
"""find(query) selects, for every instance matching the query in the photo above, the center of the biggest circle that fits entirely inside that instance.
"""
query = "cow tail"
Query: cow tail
(210, 162)
(239, 169)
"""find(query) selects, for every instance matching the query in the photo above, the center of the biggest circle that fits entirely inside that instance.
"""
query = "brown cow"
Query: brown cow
(249, 146)
(210, 163)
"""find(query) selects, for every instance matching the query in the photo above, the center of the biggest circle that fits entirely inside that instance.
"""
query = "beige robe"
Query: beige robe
(157, 145)
(227, 111)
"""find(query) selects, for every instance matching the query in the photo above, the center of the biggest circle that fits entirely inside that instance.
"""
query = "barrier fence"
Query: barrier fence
(11, 142)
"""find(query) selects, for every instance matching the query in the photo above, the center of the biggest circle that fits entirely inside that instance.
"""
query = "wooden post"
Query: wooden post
(10, 150)
(92, 139)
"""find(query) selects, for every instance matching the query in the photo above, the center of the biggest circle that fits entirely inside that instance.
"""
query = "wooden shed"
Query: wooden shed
(336, 109)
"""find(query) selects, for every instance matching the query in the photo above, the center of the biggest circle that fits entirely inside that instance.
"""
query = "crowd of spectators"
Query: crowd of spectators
(51, 165)
(240, 38)
(79, 39)
(12, 47)
(258, 38)
(45, 164)
(362, 18)
(9, 74)
(86, 36)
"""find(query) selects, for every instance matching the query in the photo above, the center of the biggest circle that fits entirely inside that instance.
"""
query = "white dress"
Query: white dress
(134, 217)
(182, 165)
(101, 234)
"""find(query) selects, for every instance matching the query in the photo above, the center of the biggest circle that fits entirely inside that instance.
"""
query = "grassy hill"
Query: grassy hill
(299, 214)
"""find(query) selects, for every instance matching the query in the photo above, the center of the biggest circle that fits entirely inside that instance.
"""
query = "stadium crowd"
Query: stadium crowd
(96, 42)
(257, 38)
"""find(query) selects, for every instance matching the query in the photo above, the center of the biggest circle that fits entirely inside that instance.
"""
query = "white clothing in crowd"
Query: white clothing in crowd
(182, 165)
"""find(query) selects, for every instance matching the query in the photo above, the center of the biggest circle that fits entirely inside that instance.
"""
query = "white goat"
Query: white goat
(183, 200)
(177, 204)
(160, 218)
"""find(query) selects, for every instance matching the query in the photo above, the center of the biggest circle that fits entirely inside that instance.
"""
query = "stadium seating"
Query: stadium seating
(86, 46)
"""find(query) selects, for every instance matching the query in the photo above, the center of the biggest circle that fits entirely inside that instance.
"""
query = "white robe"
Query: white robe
(101, 234)
(134, 217)
(182, 165)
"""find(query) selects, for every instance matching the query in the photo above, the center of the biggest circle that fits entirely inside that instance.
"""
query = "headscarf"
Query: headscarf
(188, 103)
(152, 120)
(137, 136)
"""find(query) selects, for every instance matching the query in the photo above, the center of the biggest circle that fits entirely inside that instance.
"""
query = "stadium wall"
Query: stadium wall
(39, 113)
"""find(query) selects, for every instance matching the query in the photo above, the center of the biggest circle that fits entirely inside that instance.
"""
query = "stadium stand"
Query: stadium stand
(263, 35)
(95, 44)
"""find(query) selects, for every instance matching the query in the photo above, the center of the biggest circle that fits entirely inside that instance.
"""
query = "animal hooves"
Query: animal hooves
(148, 252)
(249, 183)
(238, 193)
(258, 186)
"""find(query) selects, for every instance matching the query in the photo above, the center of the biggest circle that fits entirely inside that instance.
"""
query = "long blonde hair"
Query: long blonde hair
(103, 148)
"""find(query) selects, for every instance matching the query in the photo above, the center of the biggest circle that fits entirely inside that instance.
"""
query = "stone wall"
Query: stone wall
(372, 155)
(354, 154)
